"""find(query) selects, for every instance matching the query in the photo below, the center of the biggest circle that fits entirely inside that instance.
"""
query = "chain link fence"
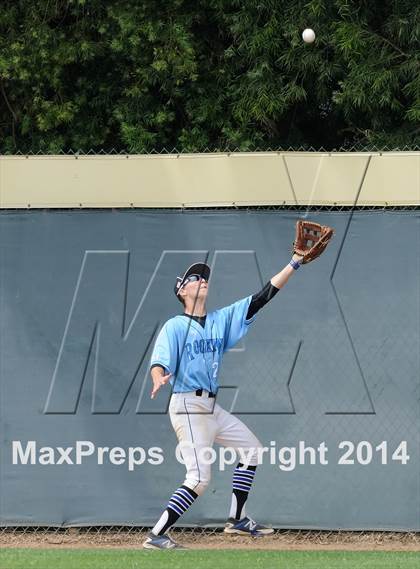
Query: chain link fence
(298, 208)
(133, 536)
(225, 150)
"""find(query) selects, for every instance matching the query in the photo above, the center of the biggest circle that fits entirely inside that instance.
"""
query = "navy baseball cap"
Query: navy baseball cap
(201, 269)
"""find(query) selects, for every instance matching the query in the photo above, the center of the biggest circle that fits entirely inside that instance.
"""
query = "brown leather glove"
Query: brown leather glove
(311, 239)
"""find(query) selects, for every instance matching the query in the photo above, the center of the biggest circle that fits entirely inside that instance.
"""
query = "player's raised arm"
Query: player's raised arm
(281, 278)
(311, 239)
(260, 299)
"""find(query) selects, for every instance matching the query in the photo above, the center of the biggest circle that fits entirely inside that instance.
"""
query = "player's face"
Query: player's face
(197, 288)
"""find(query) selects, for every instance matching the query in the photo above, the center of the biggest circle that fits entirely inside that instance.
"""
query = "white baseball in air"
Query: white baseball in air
(308, 35)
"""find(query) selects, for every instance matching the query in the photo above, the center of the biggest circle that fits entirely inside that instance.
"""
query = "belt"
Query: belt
(199, 393)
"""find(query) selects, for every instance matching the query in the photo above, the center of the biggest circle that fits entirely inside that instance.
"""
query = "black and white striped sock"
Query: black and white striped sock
(243, 477)
(178, 504)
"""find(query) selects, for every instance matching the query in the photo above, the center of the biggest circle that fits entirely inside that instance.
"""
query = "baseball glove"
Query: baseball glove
(311, 239)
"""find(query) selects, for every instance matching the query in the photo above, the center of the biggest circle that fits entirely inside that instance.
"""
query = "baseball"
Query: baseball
(308, 35)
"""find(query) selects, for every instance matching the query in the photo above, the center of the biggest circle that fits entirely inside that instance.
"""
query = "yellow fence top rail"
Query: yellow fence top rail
(213, 179)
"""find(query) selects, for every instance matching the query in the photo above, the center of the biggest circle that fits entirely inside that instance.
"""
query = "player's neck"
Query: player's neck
(200, 313)
(196, 308)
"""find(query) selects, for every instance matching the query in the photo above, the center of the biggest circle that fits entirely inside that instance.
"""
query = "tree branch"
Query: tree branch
(3, 92)
(12, 112)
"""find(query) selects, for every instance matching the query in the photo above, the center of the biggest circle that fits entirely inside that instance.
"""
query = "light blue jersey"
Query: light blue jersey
(193, 354)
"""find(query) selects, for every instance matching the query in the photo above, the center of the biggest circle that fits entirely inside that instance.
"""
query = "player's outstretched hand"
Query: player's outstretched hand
(158, 382)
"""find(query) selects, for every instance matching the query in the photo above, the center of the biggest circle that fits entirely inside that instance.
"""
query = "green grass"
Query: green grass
(204, 559)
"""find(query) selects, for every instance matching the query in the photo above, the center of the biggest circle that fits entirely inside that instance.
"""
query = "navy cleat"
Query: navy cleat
(161, 542)
(247, 526)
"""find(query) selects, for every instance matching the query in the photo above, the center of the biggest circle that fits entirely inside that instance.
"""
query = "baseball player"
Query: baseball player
(188, 353)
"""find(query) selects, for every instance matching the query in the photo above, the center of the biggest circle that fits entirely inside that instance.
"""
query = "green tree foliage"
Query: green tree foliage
(207, 74)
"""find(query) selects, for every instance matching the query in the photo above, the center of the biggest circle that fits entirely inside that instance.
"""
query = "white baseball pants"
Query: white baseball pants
(199, 422)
